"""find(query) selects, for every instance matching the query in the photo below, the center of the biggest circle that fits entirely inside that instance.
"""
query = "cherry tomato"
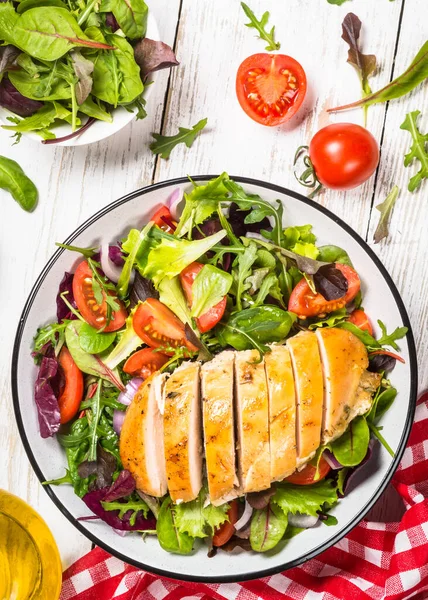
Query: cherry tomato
(158, 326)
(94, 314)
(361, 320)
(344, 155)
(163, 219)
(145, 362)
(209, 319)
(307, 475)
(305, 303)
(387, 353)
(72, 392)
(270, 87)
(226, 530)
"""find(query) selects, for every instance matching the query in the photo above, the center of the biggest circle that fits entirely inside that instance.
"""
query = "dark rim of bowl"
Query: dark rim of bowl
(362, 512)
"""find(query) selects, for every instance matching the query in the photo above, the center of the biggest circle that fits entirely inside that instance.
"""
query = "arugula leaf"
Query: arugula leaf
(245, 263)
(351, 448)
(260, 26)
(390, 339)
(269, 286)
(197, 520)
(53, 333)
(370, 342)
(306, 500)
(164, 144)
(268, 527)
(385, 209)
(418, 149)
(135, 506)
(171, 294)
(169, 537)
(209, 288)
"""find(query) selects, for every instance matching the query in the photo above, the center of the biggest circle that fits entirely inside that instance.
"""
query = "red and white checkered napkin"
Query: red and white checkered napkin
(374, 561)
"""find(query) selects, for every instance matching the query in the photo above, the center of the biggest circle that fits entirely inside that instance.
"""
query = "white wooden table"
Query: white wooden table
(211, 41)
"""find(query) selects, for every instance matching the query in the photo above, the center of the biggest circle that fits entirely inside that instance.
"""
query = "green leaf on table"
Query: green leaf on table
(14, 180)
(268, 527)
(260, 26)
(164, 144)
(169, 536)
(385, 208)
(209, 288)
(351, 448)
(337, 2)
(306, 500)
(94, 341)
(131, 16)
(418, 150)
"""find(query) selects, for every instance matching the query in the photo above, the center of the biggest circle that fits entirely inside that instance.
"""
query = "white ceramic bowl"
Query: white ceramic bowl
(381, 299)
(100, 130)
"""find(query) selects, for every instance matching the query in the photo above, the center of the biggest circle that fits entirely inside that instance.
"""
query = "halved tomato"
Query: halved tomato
(270, 87)
(209, 319)
(72, 392)
(145, 362)
(307, 475)
(227, 529)
(158, 326)
(360, 319)
(93, 313)
(163, 219)
(305, 303)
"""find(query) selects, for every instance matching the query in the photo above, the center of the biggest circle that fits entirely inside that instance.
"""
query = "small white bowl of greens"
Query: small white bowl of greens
(74, 77)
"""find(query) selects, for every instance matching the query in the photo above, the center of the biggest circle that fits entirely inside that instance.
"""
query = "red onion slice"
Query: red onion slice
(302, 521)
(126, 398)
(246, 516)
(111, 270)
(331, 460)
(173, 201)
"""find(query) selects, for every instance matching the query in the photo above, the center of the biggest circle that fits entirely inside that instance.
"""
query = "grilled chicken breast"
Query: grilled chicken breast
(344, 360)
(218, 425)
(308, 378)
(282, 412)
(183, 433)
(141, 439)
(252, 416)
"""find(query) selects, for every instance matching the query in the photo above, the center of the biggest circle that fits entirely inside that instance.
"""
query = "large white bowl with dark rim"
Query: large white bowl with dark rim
(381, 300)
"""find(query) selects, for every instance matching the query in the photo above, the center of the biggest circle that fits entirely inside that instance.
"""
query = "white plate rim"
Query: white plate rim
(413, 371)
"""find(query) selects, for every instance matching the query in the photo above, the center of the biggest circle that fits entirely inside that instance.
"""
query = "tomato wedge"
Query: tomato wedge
(307, 475)
(158, 326)
(361, 320)
(93, 313)
(72, 392)
(163, 219)
(227, 529)
(305, 303)
(209, 319)
(270, 88)
(145, 362)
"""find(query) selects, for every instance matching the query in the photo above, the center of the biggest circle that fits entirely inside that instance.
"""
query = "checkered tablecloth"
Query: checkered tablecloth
(374, 561)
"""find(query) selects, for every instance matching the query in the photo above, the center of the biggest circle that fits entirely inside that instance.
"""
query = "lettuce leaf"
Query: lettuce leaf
(198, 520)
(171, 294)
(209, 288)
(128, 342)
(307, 499)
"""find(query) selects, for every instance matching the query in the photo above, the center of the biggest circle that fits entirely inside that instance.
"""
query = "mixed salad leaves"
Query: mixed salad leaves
(225, 273)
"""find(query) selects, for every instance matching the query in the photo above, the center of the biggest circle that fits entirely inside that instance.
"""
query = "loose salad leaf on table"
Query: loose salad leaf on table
(418, 150)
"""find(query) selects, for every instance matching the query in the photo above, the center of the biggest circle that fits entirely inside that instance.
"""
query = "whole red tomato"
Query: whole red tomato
(344, 155)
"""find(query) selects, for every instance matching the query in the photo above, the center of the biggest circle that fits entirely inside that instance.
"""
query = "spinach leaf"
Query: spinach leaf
(260, 26)
(418, 149)
(96, 110)
(267, 528)
(334, 254)
(41, 85)
(164, 144)
(131, 16)
(168, 534)
(254, 327)
(93, 341)
(14, 180)
(351, 447)
(415, 74)
(209, 288)
(27, 4)
(386, 208)
(306, 500)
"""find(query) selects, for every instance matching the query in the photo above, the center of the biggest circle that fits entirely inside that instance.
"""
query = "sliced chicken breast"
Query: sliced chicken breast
(141, 438)
(308, 379)
(183, 433)
(252, 422)
(219, 436)
(344, 359)
(282, 412)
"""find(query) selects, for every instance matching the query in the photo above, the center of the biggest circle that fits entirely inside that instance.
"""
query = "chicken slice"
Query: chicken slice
(282, 412)
(217, 410)
(252, 417)
(308, 378)
(141, 438)
(344, 358)
(183, 433)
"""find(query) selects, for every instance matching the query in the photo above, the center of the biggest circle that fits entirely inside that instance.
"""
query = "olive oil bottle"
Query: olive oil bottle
(30, 566)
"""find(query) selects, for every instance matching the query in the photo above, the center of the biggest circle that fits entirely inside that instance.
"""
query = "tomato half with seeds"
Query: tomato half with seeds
(145, 362)
(158, 326)
(227, 529)
(270, 87)
(307, 475)
(304, 303)
(209, 319)
(93, 313)
(360, 319)
(72, 393)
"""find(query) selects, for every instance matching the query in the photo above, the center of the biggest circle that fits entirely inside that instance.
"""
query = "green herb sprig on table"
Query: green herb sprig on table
(418, 150)
(260, 26)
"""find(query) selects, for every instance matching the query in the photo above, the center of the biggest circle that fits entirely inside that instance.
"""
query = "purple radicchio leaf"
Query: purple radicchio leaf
(111, 22)
(103, 468)
(46, 393)
(14, 101)
(151, 55)
(111, 517)
(123, 486)
(115, 255)
(8, 56)
(330, 282)
(260, 500)
(62, 310)
(352, 472)
(236, 219)
(210, 227)
(236, 542)
(142, 289)
(381, 362)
